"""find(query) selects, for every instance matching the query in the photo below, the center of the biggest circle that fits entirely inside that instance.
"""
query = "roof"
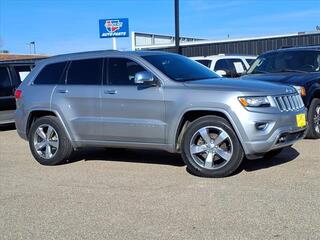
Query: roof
(16, 57)
(101, 53)
(308, 48)
(220, 56)
(228, 40)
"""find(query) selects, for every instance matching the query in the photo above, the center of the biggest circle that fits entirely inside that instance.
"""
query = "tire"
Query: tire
(60, 146)
(203, 164)
(314, 119)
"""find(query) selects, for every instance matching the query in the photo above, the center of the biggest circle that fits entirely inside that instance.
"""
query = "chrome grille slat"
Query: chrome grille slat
(291, 102)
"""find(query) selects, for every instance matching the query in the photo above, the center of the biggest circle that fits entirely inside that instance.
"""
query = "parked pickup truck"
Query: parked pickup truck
(153, 100)
(299, 67)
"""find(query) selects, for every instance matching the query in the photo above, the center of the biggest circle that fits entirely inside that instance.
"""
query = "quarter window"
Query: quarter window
(122, 71)
(85, 72)
(22, 72)
(50, 74)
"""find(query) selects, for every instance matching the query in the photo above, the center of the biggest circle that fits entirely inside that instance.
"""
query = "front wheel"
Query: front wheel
(210, 147)
(314, 119)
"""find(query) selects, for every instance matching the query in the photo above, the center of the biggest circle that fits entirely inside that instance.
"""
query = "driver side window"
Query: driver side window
(121, 71)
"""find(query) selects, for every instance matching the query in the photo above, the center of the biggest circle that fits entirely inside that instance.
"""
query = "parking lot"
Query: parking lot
(130, 194)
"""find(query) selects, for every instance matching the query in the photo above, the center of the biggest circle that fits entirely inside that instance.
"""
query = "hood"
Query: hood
(240, 85)
(298, 79)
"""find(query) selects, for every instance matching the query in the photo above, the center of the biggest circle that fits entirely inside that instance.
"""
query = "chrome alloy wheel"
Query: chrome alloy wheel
(46, 141)
(211, 147)
(316, 119)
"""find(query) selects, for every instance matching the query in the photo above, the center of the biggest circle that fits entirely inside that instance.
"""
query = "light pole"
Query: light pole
(176, 24)
(34, 46)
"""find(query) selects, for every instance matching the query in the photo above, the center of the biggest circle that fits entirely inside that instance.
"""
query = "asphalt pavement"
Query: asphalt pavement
(134, 194)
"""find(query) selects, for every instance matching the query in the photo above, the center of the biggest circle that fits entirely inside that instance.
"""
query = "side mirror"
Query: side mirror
(222, 73)
(144, 77)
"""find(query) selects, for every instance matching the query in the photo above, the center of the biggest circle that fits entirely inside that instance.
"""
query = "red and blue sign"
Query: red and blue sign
(110, 28)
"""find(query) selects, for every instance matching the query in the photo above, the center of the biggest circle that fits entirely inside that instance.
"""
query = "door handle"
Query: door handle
(62, 90)
(110, 91)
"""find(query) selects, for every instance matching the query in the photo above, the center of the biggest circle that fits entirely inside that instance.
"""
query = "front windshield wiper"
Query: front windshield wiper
(292, 70)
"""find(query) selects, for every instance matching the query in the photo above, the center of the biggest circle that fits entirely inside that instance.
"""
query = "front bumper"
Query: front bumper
(281, 131)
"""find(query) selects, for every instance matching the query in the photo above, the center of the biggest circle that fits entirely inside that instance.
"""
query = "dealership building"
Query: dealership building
(192, 47)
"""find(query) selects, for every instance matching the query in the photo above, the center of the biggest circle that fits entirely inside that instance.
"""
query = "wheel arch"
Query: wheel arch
(193, 114)
(38, 113)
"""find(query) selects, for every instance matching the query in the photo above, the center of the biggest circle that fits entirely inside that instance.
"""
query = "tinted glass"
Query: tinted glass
(180, 68)
(236, 65)
(5, 83)
(287, 61)
(122, 71)
(249, 60)
(222, 64)
(50, 74)
(22, 72)
(85, 72)
(206, 63)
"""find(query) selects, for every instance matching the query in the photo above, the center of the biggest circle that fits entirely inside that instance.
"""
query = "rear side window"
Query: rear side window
(122, 71)
(221, 64)
(50, 74)
(5, 83)
(85, 72)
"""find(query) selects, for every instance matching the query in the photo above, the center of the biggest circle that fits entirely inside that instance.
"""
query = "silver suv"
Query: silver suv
(154, 100)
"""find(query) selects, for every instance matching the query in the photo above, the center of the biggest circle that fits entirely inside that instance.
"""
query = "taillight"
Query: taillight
(18, 94)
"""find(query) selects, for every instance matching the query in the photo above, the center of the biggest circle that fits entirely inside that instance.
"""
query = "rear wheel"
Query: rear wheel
(314, 119)
(210, 148)
(48, 141)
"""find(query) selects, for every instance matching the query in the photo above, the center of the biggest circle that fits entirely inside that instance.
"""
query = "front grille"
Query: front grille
(291, 102)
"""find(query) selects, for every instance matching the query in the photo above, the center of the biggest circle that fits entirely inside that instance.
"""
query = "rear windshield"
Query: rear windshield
(287, 61)
(180, 68)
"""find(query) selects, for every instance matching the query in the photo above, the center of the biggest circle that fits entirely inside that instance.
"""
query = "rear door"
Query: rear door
(7, 100)
(130, 112)
(78, 98)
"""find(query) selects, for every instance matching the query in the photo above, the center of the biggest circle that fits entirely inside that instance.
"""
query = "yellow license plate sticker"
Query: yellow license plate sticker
(301, 120)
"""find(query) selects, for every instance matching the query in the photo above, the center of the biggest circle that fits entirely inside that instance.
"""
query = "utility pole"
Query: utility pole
(176, 24)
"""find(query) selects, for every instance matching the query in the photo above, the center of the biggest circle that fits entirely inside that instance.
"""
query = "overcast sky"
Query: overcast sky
(61, 26)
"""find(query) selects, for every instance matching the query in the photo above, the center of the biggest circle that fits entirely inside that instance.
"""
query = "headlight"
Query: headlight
(301, 90)
(254, 101)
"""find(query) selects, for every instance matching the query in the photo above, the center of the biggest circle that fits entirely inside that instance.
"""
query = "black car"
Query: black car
(11, 75)
(299, 67)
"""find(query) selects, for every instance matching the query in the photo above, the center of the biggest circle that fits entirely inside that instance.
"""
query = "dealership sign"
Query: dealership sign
(110, 28)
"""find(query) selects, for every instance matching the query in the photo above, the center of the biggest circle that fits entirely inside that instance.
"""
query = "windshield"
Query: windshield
(289, 61)
(180, 68)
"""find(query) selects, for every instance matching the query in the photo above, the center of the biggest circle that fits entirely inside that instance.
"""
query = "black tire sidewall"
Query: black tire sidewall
(312, 109)
(65, 148)
(235, 160)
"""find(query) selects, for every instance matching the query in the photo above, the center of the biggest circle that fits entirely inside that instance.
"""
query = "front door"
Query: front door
(130, 112)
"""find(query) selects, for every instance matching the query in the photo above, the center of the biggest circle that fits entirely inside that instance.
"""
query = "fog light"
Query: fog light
(261, 125)
(282, 138)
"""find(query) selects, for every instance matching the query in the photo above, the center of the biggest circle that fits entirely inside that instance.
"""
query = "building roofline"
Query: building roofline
(200, 42)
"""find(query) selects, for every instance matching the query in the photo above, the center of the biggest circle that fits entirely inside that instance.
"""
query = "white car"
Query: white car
(227, 65)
